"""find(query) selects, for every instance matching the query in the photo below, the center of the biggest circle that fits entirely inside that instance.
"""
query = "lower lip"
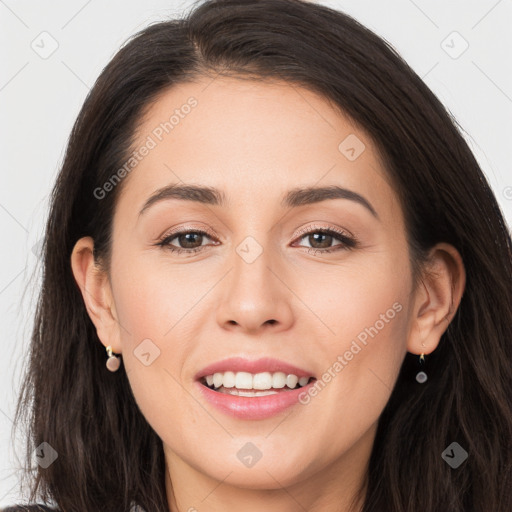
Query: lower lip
(253, 408)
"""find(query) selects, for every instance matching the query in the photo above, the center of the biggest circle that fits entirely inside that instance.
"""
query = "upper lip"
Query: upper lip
(240, 364)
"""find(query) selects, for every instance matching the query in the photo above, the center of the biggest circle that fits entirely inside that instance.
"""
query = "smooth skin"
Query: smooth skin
(254, 141)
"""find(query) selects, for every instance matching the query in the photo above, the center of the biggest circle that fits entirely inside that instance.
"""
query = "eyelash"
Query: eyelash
(348, 241)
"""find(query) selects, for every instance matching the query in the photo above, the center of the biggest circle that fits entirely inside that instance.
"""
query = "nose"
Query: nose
(255, 297)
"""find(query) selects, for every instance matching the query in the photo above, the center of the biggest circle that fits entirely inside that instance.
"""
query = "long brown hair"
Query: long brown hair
(108, 455)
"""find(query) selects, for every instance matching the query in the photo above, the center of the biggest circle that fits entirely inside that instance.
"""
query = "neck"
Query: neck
(334, 488)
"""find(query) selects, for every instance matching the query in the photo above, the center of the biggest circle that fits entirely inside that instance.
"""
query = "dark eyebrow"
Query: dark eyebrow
(296, 197)
(198, 193)
(309, 195)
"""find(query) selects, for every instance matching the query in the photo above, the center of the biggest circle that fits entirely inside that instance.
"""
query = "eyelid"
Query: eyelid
(314, 227)
(187, 228)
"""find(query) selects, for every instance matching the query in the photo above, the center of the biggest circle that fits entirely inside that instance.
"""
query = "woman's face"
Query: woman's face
(317, 281)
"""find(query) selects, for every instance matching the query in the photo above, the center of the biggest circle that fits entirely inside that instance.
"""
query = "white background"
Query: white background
(40, 98)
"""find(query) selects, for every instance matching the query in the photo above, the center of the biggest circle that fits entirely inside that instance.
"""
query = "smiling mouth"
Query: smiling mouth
(253, 385)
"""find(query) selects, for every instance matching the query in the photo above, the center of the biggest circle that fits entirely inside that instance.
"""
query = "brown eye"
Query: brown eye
(189, 241)
(321, 240)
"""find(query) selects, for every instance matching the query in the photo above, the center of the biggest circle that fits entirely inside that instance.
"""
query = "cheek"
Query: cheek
(151, 304)
(351, 297)
(361, 339)
(151, 298)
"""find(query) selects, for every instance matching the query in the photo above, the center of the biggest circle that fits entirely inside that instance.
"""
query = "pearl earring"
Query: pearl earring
(421, 377)
(113, 362)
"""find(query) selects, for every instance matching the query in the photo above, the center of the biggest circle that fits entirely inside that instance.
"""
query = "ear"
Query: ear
(96, 292)
(437, 298)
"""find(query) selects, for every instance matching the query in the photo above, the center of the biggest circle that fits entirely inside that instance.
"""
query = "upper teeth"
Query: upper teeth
(265, 380)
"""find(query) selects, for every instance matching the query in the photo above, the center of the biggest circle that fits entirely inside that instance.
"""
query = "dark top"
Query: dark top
(45, 508)
(29, 508)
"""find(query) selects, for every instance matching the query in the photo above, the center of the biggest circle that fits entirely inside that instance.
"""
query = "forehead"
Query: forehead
(254, 140)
